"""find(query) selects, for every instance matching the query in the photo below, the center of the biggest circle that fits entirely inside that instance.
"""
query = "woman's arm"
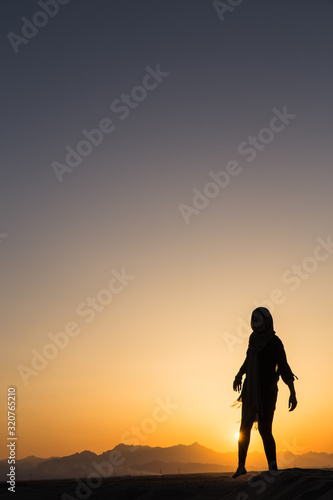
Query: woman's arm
(287, 375)
(237, 385)
(284, 368)
(292, 397)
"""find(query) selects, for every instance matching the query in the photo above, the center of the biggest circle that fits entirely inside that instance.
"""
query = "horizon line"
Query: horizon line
(163, 447)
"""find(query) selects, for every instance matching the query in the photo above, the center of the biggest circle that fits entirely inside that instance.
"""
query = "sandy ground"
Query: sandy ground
(289, 484)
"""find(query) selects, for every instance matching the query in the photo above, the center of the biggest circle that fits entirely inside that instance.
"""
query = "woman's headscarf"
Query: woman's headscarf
(258, 340)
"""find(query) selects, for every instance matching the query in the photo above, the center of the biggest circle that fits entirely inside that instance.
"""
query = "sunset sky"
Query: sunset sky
(150, 266)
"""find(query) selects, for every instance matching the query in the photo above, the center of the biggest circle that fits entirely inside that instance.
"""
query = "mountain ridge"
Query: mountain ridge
(133, 460)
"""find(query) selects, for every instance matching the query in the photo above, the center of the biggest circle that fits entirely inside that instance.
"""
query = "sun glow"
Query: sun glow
(237, 435)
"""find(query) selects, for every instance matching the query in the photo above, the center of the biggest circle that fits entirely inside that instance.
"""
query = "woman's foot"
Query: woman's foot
(241, 470)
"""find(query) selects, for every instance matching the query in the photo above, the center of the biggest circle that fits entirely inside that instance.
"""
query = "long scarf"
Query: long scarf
(250, 396)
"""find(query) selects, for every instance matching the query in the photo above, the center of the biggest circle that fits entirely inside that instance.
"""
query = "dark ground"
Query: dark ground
(289, 484)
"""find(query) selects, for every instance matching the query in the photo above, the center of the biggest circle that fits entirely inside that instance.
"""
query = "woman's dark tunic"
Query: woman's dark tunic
(272, 363)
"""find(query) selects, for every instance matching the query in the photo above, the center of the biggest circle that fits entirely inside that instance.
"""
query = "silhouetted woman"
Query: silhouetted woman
(265, 361)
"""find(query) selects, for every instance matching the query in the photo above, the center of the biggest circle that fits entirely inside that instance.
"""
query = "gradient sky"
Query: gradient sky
(172, 333)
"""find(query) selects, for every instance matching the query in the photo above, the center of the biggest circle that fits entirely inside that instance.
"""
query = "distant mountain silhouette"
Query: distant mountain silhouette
(145, 460)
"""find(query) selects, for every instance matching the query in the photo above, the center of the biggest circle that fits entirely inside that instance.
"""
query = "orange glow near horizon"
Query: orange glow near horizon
(176, 389)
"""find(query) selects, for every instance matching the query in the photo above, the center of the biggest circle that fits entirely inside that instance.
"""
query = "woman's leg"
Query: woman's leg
(244, 441)
(243, 444)
(265, 428)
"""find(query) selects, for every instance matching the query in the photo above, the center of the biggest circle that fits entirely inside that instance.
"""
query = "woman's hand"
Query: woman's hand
(292, 401)
(237, 385)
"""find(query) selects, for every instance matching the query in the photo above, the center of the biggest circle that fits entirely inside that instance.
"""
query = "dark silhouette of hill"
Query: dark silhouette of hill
(145, 460)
